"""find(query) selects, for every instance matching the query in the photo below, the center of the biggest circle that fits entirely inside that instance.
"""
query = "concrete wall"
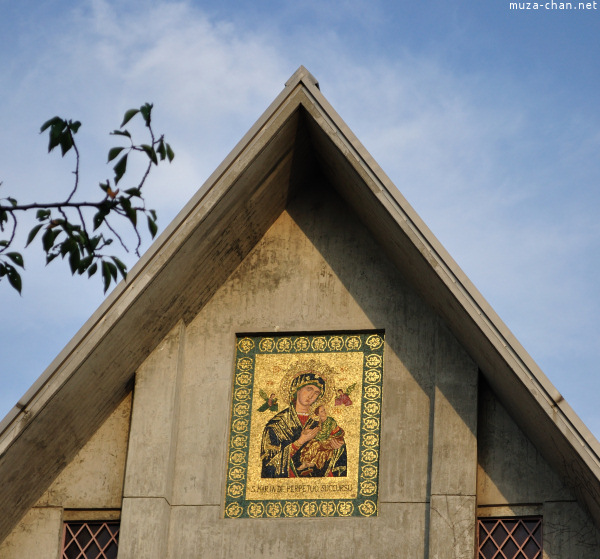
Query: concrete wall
(444, 459)
(89, 488)
(514, 479)
(316, 269)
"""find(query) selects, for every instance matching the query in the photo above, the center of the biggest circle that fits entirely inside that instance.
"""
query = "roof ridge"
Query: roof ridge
(302, 75)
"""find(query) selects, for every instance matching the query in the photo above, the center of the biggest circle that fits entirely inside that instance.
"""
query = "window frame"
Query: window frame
(93, 524)
(535, 534)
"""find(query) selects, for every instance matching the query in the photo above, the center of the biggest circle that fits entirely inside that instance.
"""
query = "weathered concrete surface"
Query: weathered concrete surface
(454, 454)
(94, 478)
(514, 480)
(397, 532)
(454, 460)
(154, 421)
(569, 532)
(451, 534)
(144, 528)
(298, 136)
(316, 269)
(150, 461)
(510, 469)
(92, 481)
(37, 535)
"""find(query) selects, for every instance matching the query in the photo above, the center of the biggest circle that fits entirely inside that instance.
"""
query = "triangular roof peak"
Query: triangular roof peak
(302, 74)
(298, 136)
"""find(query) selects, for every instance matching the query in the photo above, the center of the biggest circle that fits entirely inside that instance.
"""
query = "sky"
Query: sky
(486, 118)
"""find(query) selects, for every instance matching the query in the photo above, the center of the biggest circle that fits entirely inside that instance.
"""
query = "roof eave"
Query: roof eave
(522, 387)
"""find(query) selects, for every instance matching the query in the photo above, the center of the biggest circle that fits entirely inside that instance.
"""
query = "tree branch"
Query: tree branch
(72, 239)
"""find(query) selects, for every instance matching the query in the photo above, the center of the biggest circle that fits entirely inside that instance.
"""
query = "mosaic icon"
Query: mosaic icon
(305, 422)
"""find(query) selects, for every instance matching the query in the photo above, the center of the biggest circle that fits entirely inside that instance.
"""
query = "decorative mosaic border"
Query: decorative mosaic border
(371, 345)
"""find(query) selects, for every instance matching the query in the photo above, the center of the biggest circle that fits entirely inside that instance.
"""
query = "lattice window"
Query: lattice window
(510, 538)
(90, 540)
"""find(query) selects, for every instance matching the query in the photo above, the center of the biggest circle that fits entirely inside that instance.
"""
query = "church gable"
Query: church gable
(89, 488)
(316, 271)
(298, 235)
(514, 480)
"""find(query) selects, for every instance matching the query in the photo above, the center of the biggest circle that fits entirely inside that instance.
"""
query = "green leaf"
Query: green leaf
(12, 201)
(134, 192)
(109, 272)
(113, 270)
(42, 215)
(152, 227)
(121, 267)
(132, 215)
(113, 152)
(95, 241)
(33, 233)
(66, 246)
(51, 122)
(84, 264)
(120, 133)
(51, 257)
(47, 240)
(74, 259)
(16, 257)
(146, 110)
(105, 275)
(129, 211)
(54, 141)
(56, 133)
(150, 153)
(66, 143)
(129, 115)
(92, 270)
(170, 153)
(14, 278)
(98, 219)
(74, 126)
(125, 203)
(161, 150)
(120, 168)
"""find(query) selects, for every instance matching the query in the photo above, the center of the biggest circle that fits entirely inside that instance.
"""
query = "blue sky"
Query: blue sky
(486, 119)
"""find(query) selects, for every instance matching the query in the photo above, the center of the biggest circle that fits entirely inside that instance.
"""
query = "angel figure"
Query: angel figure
(343, 396)
(270, 402)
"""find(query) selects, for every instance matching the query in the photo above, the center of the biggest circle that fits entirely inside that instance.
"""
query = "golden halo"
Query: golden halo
(311, 365)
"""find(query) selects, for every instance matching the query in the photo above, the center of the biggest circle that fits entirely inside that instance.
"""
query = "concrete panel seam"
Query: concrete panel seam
(146, 498)
(454, 494)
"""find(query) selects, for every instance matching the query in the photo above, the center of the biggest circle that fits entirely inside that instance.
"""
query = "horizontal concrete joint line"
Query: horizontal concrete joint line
(403, 502)
(195, 506)
(504, 505)
(454, 495)
(147, 497)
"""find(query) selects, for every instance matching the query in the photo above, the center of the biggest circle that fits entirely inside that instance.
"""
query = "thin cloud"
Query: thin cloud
(505, 179)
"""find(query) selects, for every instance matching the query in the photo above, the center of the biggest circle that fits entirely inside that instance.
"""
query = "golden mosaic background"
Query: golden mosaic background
(261, 365)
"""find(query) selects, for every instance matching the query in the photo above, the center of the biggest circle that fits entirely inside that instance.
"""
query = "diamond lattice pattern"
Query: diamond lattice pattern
(510, 538)
(91, 540)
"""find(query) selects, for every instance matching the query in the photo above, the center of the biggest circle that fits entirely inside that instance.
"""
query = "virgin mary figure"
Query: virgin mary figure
(287, 433)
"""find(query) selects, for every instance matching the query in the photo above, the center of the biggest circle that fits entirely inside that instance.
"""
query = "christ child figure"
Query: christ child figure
(324, 446)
